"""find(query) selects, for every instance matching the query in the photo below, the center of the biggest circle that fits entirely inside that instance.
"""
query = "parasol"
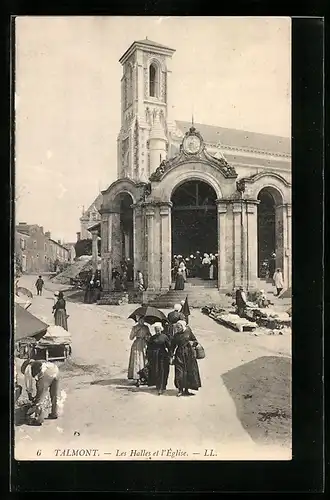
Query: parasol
(27, 325)
(150, 314)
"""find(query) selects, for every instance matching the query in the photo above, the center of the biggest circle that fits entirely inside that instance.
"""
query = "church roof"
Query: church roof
(96, 203)
(146, 43)
(239, 138)
(150, 43)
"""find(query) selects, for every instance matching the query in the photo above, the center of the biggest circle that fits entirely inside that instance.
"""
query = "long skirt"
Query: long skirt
(179, 282)
(159, 366)
(186, 369)
(137, 359)
(61, 319)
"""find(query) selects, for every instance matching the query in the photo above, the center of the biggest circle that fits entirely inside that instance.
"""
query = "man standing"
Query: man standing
(39, 285)
(278, 281)
(240, 301)
(46, 375)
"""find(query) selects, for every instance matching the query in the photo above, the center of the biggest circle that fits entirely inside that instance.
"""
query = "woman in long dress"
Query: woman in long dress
(140, 333)
(59, 310)
(206, 262)
(186, 368)
(179, 281)
(158, 355)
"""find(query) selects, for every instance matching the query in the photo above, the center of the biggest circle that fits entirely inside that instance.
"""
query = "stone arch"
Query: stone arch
(278, 185)
(117, 188)
(183, 173)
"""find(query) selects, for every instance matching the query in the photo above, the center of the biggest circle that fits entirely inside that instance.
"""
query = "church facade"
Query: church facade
(185, 187)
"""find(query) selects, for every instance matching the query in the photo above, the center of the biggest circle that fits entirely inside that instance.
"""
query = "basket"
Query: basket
(199, 352)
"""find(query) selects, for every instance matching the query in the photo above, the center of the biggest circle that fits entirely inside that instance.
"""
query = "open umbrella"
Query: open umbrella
(150, 314)
(27, 325)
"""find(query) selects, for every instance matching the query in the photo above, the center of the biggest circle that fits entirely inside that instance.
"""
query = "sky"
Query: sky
(231, 72)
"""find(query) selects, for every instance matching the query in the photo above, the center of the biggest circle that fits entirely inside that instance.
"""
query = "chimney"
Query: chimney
(78, 236)
(47, 234)
(42, 229)
(59, 242)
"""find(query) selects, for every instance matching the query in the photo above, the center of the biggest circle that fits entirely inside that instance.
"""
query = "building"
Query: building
(36, 251)
(184, 187)
(90, 217)
(72, 251)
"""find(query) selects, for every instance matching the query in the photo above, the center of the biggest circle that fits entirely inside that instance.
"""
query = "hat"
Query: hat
(177, 307)
(158, 326)
(191, 256)
(182, 323)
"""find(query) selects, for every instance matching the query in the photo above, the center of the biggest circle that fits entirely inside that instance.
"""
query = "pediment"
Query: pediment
(187, 157)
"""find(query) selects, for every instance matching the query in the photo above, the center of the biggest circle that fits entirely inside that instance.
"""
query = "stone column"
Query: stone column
(95, 237)
(150, 214)
(283, 240)
(115, 243)
(222, 243)
(251, 243)
(280, 235)
(138, 240)
(288, 249)
(238, 274)
(105, 255)
(165, 246)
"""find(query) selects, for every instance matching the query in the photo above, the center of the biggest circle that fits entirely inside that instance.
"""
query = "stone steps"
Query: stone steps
(116, 298)
(197, 297)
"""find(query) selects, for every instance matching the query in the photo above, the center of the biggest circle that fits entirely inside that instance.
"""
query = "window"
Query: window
(129, 83)
(94, 216)
(37, 256)
(45, 247)
(153, 80)
(35, 244)
(22, 244)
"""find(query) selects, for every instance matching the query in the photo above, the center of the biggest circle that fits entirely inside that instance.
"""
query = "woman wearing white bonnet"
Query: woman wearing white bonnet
(186, 368)
(173, 317)
(158, 355)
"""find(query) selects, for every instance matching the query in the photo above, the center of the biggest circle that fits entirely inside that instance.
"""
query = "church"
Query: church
(185, 187)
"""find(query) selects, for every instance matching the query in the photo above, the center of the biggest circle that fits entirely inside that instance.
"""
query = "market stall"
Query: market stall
(37, 340)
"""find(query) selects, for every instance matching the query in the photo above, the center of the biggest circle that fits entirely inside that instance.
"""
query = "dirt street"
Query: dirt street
(242, 410)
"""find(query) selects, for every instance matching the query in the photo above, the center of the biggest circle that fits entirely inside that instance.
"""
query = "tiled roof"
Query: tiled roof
(239, 138)
(73, 270)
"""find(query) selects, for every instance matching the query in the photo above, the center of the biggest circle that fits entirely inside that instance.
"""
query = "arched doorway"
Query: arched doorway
(194, 222)
(270, 232)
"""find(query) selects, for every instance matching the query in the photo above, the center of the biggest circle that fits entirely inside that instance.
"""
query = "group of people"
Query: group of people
(92, 288)
(262, 300)
(194, 266)
(120, 279)
(151, 356)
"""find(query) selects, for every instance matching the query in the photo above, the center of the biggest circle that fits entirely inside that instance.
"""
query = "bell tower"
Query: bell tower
(145, 118)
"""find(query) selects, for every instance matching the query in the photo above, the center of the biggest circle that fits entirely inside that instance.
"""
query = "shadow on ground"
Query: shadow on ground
(126, 385)
(261, 390)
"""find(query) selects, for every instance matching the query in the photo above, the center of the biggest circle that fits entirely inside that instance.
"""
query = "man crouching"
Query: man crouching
(46, 376)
